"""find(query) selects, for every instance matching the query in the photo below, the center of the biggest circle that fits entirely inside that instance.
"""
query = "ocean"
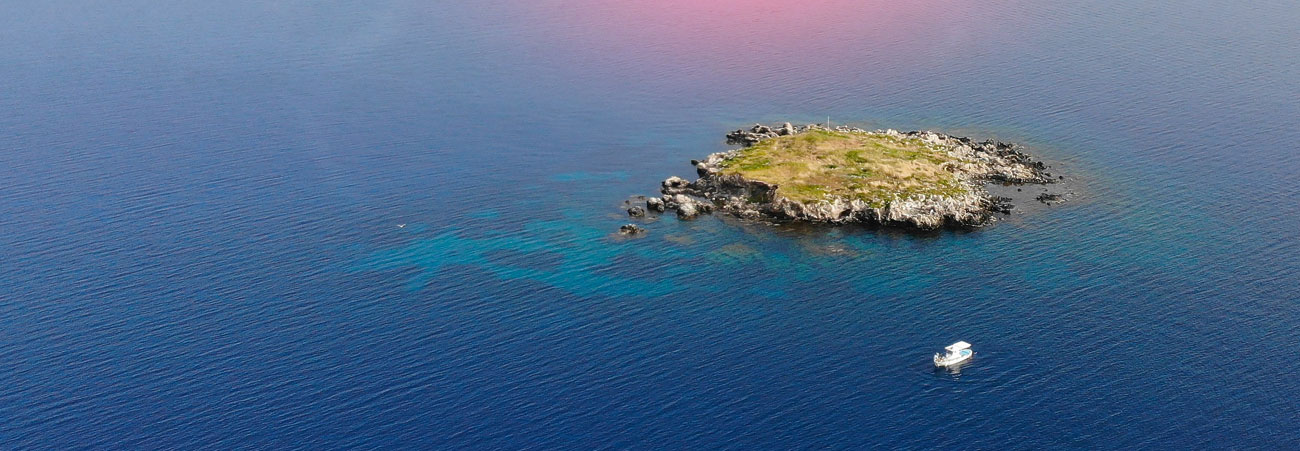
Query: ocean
(392, 224)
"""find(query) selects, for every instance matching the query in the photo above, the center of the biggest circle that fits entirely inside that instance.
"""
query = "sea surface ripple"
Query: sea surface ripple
(389, 224)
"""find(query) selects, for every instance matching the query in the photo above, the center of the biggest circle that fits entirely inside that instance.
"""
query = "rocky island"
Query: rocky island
(921, 179)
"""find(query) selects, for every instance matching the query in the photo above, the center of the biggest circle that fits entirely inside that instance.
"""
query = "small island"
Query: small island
(922, 180)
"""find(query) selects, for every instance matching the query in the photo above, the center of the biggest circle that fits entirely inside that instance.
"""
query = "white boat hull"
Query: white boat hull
(953, 358)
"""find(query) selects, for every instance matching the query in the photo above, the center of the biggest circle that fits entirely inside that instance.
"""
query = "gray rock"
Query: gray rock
(1000, 204)
(655, 203)
(631, 229)
(636, 212)
(743, 137)
(702, 169)
(1048, 198)
(674, 185)
(687, 211)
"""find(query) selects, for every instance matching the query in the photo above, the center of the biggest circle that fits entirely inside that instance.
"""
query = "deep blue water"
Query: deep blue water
(199, 241)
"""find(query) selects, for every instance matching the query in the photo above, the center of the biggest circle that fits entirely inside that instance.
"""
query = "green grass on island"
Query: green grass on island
(823, 165)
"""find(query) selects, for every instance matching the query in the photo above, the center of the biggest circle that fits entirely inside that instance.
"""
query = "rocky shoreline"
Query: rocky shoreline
(974, 164)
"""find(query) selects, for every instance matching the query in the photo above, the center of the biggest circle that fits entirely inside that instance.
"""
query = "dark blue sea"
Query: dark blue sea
(390, 224)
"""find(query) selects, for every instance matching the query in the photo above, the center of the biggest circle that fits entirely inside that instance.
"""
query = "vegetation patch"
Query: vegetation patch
(873, 167)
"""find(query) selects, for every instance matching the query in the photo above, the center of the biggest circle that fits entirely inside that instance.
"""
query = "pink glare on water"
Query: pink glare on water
(692, 42)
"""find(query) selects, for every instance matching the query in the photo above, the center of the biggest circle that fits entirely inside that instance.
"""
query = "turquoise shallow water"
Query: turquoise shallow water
(199, 241)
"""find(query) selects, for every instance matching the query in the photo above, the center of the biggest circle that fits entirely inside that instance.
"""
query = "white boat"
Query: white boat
(957, 353)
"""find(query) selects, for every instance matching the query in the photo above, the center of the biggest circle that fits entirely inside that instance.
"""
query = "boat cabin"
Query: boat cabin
(957, 347)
